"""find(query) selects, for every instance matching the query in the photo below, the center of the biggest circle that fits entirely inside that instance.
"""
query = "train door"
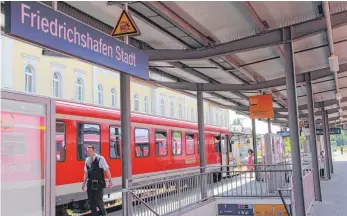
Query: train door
(224, 153)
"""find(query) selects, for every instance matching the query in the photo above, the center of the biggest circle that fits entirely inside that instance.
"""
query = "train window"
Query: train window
(190, 144)
(115, 139)
(161, 143)
(141, 142)
(176, 143)
(60, 148)
(87, 134)
(217, 143)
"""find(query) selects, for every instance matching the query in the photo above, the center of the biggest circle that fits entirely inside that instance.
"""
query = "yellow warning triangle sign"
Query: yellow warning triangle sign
(125, 26)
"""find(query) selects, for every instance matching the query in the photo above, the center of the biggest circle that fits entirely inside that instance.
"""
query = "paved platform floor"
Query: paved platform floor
(334, 192)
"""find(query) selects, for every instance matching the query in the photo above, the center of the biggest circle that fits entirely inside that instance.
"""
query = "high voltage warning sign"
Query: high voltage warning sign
(125, 26)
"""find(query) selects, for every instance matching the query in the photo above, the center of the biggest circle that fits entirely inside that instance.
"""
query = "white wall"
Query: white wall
(6, 62)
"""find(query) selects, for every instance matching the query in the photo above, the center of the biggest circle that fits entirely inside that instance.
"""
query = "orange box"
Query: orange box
(279, 210)
(261, 106)
(263, 209)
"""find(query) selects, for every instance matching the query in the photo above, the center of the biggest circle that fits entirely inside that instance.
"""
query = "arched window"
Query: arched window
(113, 97)
(192, 114)
(100, 95)
(225, 122)
(136, 103)
(162, 107)
(172, 109)
(29, 79)
(79, 89)
(56, 85)
(180, 111)
(146, 104)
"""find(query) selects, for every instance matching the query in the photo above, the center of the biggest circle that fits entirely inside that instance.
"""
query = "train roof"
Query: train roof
(79, 109)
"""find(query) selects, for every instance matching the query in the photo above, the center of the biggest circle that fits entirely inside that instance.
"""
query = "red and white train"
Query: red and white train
(159, 145)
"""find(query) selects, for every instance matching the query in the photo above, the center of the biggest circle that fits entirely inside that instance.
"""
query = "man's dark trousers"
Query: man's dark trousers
(95, 200)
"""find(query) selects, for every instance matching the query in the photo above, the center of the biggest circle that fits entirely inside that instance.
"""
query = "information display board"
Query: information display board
(235, 209)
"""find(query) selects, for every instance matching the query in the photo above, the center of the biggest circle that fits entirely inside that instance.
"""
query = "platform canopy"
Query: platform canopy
(236, 43)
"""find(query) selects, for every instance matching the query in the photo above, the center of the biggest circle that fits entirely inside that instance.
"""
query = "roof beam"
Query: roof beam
(170, 76)
(196, 34)
(208, 87)
(264, 39)
(204, 77)
(301, 107)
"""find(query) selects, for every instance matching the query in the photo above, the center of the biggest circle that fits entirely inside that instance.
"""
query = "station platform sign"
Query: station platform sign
(333, 131)
(252, 209)
(42, 25)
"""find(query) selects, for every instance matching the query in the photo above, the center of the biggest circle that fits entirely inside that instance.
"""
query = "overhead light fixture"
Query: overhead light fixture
(334, 63)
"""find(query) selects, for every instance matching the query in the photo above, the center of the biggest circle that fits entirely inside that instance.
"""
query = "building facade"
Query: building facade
(25, 68)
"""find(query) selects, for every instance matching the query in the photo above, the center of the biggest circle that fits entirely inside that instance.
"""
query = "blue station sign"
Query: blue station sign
(332, 131)
(41, 25)
(318, 132)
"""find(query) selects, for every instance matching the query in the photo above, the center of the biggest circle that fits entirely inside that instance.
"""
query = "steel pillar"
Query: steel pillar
(254, 140)
(313, 140)
(326, 144)
(329, 144)
(269, 125)
(202, 150)
(294, 126)
(126, 141)
(255, 150)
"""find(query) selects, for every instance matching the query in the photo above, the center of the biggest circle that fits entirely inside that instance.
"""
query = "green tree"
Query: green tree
(339, 139)
(287, 147)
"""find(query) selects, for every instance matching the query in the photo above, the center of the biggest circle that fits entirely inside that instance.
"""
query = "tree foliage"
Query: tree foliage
(339, 139)
(287, 145)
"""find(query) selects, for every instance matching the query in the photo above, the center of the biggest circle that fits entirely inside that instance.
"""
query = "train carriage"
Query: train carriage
(160, 147)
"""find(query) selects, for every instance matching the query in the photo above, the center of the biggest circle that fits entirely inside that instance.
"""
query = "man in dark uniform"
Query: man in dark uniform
(94, 172)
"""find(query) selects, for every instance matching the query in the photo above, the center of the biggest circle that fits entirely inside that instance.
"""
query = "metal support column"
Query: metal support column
(293, 125)
(329, 144)
(269, 125)
(125, 134)
(313, 140)
(255, 149)
(202, 150)
(254, 140)
(326, 144)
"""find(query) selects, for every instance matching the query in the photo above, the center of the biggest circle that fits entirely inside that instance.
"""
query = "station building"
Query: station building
(25, 68)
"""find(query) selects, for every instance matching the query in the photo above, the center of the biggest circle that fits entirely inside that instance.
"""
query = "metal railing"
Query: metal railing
(283, 201)
(164, 195)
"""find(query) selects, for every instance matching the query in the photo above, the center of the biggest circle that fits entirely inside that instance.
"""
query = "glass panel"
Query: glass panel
(160, 143)
(87, 134)
(115, 139)
(23, 135)
(141, 142)
(190, 144)
(60, 147)
(176, 143)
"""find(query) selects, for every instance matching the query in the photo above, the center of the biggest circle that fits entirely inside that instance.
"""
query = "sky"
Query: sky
(261, 127)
